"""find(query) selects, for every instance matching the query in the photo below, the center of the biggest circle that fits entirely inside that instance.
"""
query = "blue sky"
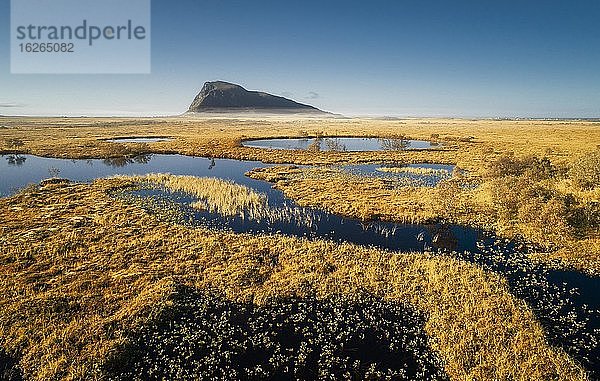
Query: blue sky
(404, 58)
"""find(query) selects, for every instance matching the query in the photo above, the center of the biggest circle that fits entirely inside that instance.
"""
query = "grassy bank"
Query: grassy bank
(81, 278)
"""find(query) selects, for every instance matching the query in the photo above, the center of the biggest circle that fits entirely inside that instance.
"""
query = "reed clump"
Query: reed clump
(220, 196)
(214, 195)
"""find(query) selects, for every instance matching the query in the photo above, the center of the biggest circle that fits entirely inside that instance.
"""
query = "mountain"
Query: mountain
(219, 96)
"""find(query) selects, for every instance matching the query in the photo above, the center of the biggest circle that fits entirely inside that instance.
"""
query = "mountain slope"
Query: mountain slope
(225, 96)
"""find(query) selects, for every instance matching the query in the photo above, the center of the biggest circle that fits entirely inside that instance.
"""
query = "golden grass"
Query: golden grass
(214, 136)
(365, 197)
(544, 222)
(563, 142)
(214, 195)
(78, 272)
(225, 198)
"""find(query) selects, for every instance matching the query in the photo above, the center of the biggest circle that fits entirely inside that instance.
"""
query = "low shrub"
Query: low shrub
(531, 166)
(521, 201)
(585, 172)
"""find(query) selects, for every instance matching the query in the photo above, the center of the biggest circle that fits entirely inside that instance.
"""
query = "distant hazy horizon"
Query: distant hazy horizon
(463, 59)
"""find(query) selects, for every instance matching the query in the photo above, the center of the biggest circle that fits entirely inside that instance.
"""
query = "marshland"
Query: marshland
(410, 249)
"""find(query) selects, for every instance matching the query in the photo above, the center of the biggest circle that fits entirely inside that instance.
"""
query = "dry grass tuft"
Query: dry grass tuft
(214, 195)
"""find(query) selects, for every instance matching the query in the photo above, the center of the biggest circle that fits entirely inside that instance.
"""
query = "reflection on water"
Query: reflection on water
(443, 238)
(341, 144)
(119, 162)
(17, 160)
(33, 169)
(395, 144)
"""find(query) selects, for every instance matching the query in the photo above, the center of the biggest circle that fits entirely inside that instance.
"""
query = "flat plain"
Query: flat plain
(91, 274)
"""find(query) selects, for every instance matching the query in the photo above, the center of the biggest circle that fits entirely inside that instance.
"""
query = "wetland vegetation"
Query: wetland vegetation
(203, 336)
(485, 249)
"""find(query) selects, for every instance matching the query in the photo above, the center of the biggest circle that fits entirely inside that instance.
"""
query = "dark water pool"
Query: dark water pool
(17, 171)
(285, 217)
(566, 302)
(341, 144)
